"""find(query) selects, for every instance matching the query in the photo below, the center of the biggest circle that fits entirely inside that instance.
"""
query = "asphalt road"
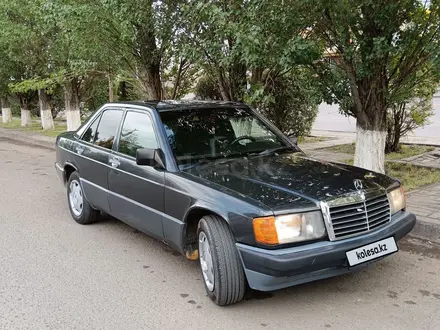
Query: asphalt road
(59, 275)
(329, 119)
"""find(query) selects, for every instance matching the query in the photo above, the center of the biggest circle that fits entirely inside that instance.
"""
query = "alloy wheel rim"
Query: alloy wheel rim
(206, 262)
(76, 198)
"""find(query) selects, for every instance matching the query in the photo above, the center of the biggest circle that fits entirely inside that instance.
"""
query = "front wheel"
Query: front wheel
(222, 270)
(80, 209)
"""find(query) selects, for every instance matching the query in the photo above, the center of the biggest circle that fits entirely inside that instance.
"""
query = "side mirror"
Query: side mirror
(293, 139)
(150, 157)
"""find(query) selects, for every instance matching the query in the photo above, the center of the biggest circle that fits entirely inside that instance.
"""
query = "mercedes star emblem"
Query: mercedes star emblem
(358, 184)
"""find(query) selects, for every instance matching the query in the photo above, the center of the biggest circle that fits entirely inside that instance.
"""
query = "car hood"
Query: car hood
(290, 180)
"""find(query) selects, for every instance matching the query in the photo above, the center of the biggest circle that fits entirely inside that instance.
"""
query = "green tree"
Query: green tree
(207, 88)
(5, 76)
(79, 59)
(140, 33)
(379, 46)
(56, 45)
(209, 38)
(251, 50)
(290, 101)
(28, 37)
(17, 56)
(413, 109)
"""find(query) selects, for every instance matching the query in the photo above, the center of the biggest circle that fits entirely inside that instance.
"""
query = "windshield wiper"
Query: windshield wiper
(202, 161)
(274, 150)
(199, 162)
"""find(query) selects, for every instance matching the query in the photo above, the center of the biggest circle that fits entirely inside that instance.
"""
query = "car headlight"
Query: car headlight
(289, 228)
(397, 200)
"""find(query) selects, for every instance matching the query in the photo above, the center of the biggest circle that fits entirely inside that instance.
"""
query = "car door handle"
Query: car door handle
(114, 161)
(79, 149)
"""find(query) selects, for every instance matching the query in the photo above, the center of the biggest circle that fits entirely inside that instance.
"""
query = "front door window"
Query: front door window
(137, 133)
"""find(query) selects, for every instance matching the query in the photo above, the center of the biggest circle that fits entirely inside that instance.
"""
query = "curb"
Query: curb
(422, 188)
(23, 138)
(421, 144)
(426, 231)
(409, 163)
(335, 134)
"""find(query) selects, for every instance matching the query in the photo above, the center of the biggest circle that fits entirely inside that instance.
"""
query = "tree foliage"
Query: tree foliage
(379, 47)
(81, 53)
(249, 50)
(290, 101)
(207, 88)
(413, 110)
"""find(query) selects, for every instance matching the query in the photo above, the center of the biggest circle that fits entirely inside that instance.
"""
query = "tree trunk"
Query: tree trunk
(26, 119)
(72, 105)
(370, 149)
(111, 95)
(396, 145)
(6, 115)
(371, 115)
(256, 77)
(152, 82)
(150, 60)
(123, 93)
(223, 86)
(6, 111)
(237, 81)
(394, 128)
(45, 110)
(177, 80)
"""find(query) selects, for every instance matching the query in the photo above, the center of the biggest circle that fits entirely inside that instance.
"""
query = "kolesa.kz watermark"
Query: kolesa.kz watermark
(371, 251)
(380, 248)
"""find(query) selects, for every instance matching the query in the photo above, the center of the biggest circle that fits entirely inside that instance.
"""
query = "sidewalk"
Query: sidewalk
(351, 136)
(28, 138)
(326, 144)
(425, 204)
(429, 159)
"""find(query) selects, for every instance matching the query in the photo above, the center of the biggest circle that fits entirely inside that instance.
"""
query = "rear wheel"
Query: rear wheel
(221, 266)
(81, 211)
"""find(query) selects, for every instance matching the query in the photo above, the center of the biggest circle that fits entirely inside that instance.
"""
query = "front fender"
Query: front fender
(241, 225)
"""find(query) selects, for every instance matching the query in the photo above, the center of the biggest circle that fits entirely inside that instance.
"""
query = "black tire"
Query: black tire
(88, 214)
(229, 277)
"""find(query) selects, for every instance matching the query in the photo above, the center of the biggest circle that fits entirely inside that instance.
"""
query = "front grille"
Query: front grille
(356, 218)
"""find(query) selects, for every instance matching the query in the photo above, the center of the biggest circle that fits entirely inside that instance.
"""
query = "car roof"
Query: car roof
(167, 105)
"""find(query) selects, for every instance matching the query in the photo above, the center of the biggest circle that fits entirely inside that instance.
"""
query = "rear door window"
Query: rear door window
(108, 128)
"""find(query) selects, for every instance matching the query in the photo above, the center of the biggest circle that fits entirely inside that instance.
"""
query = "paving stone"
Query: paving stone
(428, 219)
(425, 204)
(432, 209)
(419, 211)
(430, 194)
(421, 201)
(329, 156)
(430, 159)
(435, 215)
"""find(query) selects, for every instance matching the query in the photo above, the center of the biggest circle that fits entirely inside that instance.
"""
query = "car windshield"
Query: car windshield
(207, 134)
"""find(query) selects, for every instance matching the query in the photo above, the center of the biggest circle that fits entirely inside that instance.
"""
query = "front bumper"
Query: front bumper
(268, 270)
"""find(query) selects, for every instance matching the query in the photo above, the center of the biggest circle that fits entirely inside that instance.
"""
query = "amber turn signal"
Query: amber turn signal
(265, 230)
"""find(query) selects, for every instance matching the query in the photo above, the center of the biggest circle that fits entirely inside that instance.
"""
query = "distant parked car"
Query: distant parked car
(219, 183)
